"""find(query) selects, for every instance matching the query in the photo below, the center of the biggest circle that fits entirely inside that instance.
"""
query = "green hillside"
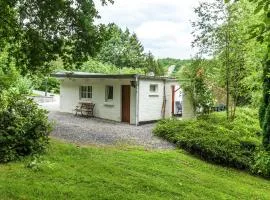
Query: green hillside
(74, 172)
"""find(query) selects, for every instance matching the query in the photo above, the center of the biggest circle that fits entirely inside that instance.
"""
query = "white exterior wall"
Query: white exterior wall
(188, 111)
(69, 97)
(132, 105)
(169, 91)
(150, 104)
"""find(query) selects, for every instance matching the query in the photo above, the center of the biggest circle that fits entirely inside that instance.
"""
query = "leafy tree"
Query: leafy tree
(8, 72)
(197, 84)
(152, 65)
(221, 32)
(34, 33)
(121, 48)
(38, 32)
(262, 33)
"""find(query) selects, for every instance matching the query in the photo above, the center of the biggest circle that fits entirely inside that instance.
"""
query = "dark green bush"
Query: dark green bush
(24, 127)
(215, 139)
(261, 163)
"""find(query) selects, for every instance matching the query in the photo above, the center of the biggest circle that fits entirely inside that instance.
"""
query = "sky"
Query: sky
(163, 26)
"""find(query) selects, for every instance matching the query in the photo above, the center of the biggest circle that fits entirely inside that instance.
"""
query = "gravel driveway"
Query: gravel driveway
(102, 132)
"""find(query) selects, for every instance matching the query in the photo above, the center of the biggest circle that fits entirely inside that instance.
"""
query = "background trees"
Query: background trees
(239, 40)
(222, 33)
(262, 32)
(121, 48)
(32, 35)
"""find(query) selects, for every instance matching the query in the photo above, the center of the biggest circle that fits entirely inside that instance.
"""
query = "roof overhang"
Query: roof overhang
(108, 76)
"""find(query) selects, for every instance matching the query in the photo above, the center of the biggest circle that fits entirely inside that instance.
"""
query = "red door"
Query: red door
(126, 103)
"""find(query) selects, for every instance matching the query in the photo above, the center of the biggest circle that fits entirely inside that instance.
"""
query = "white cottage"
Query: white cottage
(130, 98)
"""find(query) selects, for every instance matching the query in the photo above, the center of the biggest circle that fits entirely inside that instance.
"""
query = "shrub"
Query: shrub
(215, 139)
(261, 163)
(24, 85)
(24, 127)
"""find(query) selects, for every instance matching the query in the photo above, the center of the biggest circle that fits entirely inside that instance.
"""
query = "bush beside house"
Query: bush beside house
(24, 128)
(213, 138)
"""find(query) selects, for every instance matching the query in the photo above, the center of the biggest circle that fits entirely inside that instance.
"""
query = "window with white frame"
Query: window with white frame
(153, 88)
(85, 92)
(109, 93)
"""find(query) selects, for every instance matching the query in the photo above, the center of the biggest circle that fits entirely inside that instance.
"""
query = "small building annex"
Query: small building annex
(130, 98)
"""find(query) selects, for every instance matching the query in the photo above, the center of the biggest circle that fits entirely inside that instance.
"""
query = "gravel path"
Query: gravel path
(103, 132)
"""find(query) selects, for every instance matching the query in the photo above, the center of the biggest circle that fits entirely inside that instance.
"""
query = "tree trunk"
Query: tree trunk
(227, 73)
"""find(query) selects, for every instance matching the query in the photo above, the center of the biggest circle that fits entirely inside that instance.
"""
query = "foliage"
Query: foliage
(121, 48)
(38, 32)
(261, 164)
(81, 172)
(37, 164)
(8, 72)
(262, 32)
(195, 78)
(166, 62)
(94, 66)
(153, 66)
(24, 127)
(178, 63)
(222, 33)
(24, 86)
(215, 139)
(49, 84)
(265, 105)
(265, 122)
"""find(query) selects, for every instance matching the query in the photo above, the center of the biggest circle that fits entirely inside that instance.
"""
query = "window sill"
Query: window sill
(153, 95)
(108, 104)
(85, 99)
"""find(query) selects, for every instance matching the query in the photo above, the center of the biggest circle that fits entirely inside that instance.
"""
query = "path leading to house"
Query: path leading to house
(101, 132)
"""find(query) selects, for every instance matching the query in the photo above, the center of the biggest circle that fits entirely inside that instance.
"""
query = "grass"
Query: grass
(71, 172)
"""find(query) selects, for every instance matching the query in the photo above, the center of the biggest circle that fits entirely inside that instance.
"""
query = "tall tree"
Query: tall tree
(262, 32)
(152, 65)
(121, 48)
(217, 35)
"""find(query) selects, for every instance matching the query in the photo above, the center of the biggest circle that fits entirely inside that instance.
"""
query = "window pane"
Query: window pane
(110, 94)
(153, 88)
(89, 88)
(83, 89)
(89, 92)
(86, 92)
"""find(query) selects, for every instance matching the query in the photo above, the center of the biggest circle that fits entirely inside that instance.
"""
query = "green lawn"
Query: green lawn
(70, 172)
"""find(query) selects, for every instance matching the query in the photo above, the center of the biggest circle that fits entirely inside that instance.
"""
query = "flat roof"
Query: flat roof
(69, 74)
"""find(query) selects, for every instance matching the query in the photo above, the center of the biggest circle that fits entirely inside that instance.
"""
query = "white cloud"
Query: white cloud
(158, 29)
(163, 26)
